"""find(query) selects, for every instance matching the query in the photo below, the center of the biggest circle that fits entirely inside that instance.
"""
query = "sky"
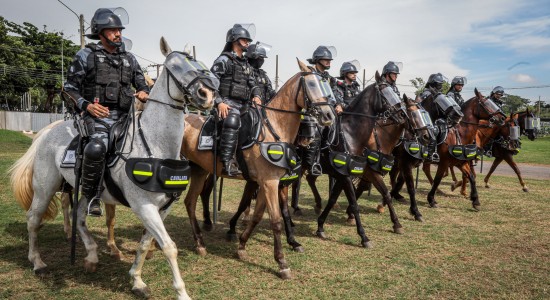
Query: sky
(491, 42)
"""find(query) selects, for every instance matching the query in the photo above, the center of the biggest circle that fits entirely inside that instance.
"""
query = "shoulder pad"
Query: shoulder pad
(228, 55)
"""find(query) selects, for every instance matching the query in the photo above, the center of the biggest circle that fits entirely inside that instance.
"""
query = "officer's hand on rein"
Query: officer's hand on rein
(97, 110)
(338, 109)
(141, 96)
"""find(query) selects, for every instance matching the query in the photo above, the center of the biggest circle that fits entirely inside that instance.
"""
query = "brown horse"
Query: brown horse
(502, 152)
(302, 91)
(464, 133)
(486, 134)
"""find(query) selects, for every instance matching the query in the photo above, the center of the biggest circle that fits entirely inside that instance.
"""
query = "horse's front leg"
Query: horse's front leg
(510, 160)
(91, 260)
(311, 179)
(205, 199)
(110, 214)
(195, 188)
(354, 209)
(378, 182)
(441, 168)
(296, 196)
(334, 194)
(465, 168)
(407, 173)
(289, 225)
(494, 166)
(246, 199)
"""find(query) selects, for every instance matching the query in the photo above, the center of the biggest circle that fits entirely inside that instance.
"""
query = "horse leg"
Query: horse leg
(455, 182)
(91, 260)
(354, 209)
(362, 186)
(398, 185)
(296, 196)
(205, 199)
(110, 214)
(289, 225)
(66, 200)
(436, 181)
(494, 166)
(153, 222)
(407, 174)
(510, 160)
(465, 179)
(465, 168)
(198, 177)
(426, 169)
(334, 194)
(311, 181)
(246, 198)
(378, 182)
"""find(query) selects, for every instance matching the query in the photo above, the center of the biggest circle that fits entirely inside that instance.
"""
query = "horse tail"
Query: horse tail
(21, 173)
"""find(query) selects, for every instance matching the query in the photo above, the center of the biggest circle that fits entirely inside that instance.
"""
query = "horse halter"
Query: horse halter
(446, 105)
(393, 104)
(492, 110)
(420, 120)
(310, 88)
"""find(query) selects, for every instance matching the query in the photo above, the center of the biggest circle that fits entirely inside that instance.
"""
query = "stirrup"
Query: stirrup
(94, 208)
(435, 157)
(316, 169)
(231, 169)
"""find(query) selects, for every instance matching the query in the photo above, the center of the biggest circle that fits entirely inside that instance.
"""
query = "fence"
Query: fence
(26, 121)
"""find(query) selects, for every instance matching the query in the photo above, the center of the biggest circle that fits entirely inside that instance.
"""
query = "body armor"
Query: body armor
(456, 96)
(264, 84)
(109, 79)
(392, 85)
(236, 81)
(348, 91)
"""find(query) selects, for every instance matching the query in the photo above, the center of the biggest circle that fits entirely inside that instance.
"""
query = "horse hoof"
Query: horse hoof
(201, 251)
(525, 189)
(118, 256)
(298, 212)
(487, 186)
(419, 218)
(398, 230)
(207, 227)
(298, 249)
(285, 274)
(380, 208)
(321, 234)
(41, 272)
(149, 255)
(231, 237)
(453, 187)
(476, 207)
(401, 200)
(434, 205)
(350, 221)
(242, 254)
(90, 267)
(142, 292)
(367, 244)
(464, 194)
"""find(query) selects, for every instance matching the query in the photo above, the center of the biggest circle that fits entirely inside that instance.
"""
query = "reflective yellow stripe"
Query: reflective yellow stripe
(289, 178)
(275, 152)
(356, 171)
(473, 154)
(373, 158)
(292, 161)
(425, 154)
(142, 173)
(457, 151)
(414, 148)
(176, 182)
(339, 162)
(188, 62)
(386, 169)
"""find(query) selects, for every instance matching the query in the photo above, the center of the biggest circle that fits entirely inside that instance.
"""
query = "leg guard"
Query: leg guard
(92, 167)
(228, 143)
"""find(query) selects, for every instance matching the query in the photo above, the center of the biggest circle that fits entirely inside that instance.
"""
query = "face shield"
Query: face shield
(490, 106)
(445, 102)
(318, 87)
(421, 119)
(390, 96)
(188, 70)
(514, 133)
(530, 123)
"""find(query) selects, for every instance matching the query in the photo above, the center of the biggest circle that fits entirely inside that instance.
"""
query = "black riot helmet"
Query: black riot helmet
(349, 67)
(237, 32)
(257, 53)
(460, 80)
(322, 52)
(104, 18)
(436, 81)
(498, 90)
(391, 67)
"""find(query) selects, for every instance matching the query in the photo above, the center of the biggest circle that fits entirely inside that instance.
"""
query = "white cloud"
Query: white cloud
(522, 78)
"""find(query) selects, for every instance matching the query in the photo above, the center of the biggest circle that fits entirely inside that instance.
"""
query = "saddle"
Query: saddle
(248, 133)
(416, 149)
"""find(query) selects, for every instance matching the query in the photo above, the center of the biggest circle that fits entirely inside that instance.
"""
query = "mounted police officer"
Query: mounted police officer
(496, 95)
(100, 81)
(435, 83)
(389, 76)
(256, 54)
(348, 87)
(456, 87)
(237, 89)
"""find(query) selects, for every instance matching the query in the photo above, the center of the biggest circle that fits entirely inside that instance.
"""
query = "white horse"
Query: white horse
(37, 175)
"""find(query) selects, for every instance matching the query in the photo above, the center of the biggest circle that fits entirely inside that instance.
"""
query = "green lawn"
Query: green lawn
(500, 252)
(533, 152)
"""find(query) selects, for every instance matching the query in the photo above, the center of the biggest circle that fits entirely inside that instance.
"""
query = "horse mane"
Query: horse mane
(357, 99)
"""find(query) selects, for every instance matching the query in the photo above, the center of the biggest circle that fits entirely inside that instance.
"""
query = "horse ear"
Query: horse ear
(377, 76)
(164, 47)
(303, 67)
(477, 93)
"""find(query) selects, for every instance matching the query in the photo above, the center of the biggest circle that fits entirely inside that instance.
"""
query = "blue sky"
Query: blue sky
(477, 39)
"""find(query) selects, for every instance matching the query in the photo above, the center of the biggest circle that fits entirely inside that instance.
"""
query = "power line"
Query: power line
(144, 58)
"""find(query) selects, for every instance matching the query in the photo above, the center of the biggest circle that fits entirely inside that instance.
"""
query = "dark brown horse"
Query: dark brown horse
(474, 110)
(501, 151)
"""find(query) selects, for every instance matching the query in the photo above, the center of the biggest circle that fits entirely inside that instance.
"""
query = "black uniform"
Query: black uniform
(347, 92)
(264, 84)
(456, 96)
(237, 88)
(96, 75)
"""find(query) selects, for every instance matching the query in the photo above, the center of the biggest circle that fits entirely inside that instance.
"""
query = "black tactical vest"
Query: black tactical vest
(234, 83)
(349, 91)
(456, 96)
(108, 79)
(262, 81)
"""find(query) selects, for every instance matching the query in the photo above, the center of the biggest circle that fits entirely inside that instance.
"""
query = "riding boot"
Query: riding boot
(311, 157)
(228, 145)
(92, 171)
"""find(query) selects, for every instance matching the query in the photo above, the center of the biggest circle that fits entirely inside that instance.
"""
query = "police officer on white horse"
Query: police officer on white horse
(100, 82)
(237, 89)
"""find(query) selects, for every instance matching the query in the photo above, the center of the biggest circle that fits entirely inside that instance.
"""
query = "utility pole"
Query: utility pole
(277, 72)
(364, 71)
(158, 68)
(81, 21)
(194, 56)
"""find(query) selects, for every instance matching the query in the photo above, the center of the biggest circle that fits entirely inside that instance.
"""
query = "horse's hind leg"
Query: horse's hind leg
(66, 199)
(334, 194)
(289, 226)
(153, 222)
(246, 198)
(205, 199)
(110, 214)
(296, 196)
(494, 166)
(91, 260)
(510, 160)
(354, 209)
(311, 179)
(35, 213)
(198, 176)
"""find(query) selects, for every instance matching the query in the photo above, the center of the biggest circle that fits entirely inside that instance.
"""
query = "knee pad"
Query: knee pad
(232, 121)
(95, 150)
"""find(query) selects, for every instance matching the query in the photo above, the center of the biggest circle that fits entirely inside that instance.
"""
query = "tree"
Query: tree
(419, 85)
(513, 103)
(30, 59)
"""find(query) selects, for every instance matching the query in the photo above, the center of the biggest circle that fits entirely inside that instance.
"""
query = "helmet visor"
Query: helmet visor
(490, 106)
(122, 14)
(250, 27)
(445, 102)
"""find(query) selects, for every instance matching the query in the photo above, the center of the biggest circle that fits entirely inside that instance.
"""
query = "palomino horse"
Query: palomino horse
(508, 136)
(304, 90)
(37, 175)
(464, 133)
(402, 171)
(501, 151)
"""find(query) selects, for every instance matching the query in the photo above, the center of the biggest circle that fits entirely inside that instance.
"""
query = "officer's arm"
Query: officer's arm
(75, 78)
(138, 80)
(218, 69)
(270, 91)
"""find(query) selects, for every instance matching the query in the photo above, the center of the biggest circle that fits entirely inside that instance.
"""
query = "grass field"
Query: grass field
(533, 152)
(500, 252)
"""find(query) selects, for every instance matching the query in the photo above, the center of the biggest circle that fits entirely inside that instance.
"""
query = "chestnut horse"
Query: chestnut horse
(464, 133)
